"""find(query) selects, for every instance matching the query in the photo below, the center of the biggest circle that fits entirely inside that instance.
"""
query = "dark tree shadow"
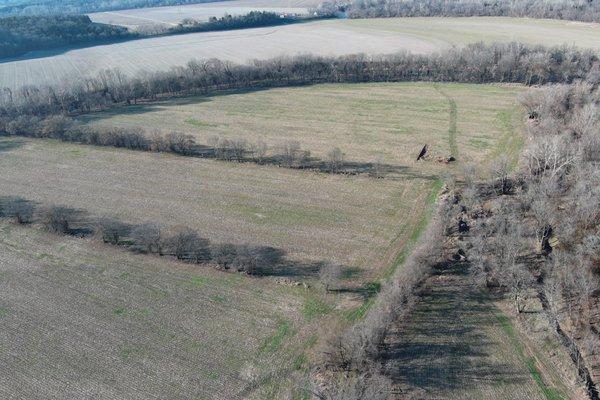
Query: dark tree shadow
(443, 345)
(8, 144)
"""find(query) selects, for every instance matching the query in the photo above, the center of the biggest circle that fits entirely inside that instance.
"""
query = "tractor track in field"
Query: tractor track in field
(452, 121)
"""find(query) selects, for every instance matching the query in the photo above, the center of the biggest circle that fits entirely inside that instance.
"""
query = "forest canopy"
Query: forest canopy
(18, 35)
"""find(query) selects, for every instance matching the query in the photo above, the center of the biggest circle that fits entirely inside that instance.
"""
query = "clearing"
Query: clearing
(328, 37)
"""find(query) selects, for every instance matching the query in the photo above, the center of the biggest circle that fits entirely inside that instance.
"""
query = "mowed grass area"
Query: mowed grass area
(79, 319)
(331, 37)
(386, 122)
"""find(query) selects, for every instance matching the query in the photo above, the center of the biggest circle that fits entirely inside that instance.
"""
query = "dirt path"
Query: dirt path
(454, 345)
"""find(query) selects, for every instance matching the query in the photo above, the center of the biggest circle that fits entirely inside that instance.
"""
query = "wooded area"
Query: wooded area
(576, 10)
(19, 35)
(477, 63)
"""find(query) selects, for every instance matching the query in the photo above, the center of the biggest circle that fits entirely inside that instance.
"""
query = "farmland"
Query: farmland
(82, 319)
(170, 16)
(368, 122)
(354, 220)
(331, 37)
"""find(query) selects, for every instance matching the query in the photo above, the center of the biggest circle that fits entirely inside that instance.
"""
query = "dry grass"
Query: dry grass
(369, 122)
(350, 220)
(83, 320)
(354, 220)
(171, 16)
(332, 37)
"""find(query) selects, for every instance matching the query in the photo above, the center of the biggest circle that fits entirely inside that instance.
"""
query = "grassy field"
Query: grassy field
(82, 320)
(368, 122)
(354, 220)
(311, 216)
(332, 37)
(171, 16)
(81, 317)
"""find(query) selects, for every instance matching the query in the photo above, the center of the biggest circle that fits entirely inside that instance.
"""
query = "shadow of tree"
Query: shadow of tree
(445, 342)
(7, 144)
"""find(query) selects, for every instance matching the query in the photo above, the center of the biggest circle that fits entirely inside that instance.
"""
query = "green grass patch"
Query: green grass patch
(3, 311)
(218, 299)
(416, 233)
(211, 375)
(479, 143)
(549, 392)
(200, 124)
(300, 362)
(273, 343)
(358, 313)
(315, 307)
(41, 256)
(195, 282)
(128, 352)
(119, 311)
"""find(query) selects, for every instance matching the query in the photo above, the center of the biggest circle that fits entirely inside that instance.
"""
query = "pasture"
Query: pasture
(357, 221)
(331, 37)
(84, 320)
(386, 122)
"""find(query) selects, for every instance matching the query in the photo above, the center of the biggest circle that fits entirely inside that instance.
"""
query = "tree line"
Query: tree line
(254, 19)
(539, 233)
(19, 35)
(575, 10)
(179, 242)
(475, 63)
(287, 153)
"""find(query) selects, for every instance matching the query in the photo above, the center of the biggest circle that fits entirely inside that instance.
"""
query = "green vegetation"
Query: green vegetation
(549, 392)
(315, 307)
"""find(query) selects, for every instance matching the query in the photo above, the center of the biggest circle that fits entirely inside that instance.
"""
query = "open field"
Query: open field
(331, 37)
(82, 320)
(311, 216)
(368, 122)
(171, 16)
(354, 220)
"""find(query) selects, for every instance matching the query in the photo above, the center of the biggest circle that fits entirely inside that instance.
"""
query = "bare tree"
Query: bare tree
(259, 150)
(59, 219)
(111, 230)
(148, 238)
(20, 210)
(185, 244)
(289, 152)
(335, 159)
